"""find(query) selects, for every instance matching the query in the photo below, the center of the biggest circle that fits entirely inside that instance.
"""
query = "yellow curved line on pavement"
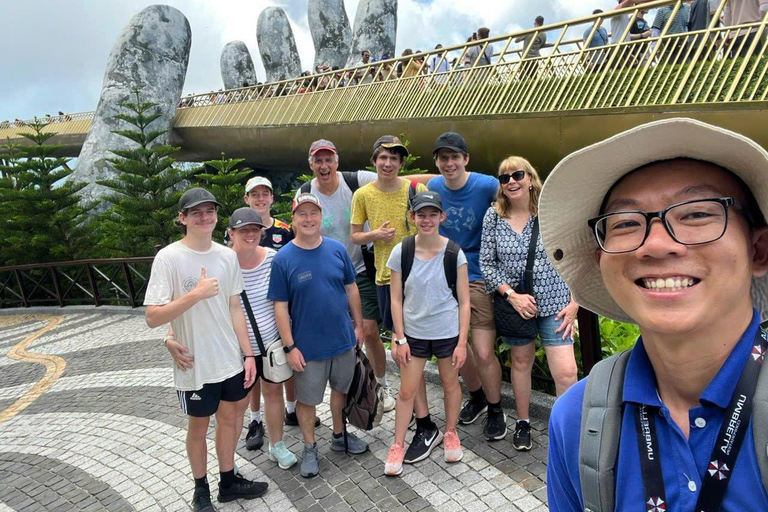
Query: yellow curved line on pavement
(54, 367)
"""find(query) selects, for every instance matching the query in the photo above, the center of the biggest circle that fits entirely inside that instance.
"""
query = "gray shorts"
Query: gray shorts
(338, 371)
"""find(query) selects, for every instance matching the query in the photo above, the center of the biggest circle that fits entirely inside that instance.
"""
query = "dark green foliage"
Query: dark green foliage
(42, 217)
(226, 184)
(146, 190)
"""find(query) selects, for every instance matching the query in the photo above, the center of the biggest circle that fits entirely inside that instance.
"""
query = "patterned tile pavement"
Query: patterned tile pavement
(106, 433)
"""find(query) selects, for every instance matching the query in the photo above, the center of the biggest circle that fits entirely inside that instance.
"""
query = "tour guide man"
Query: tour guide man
(664, 226)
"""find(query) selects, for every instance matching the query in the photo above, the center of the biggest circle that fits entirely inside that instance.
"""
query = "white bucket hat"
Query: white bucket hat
(575, 189)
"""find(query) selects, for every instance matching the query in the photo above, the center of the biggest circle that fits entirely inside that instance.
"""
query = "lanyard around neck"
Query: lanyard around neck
(726, 449)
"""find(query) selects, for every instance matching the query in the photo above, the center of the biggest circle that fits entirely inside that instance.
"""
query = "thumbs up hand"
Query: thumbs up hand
(207, 287)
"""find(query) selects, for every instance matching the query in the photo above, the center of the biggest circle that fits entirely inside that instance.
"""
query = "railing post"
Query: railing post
(94, 285)
(129, 283)
(56, 285)
(24, 299)
(589, 335)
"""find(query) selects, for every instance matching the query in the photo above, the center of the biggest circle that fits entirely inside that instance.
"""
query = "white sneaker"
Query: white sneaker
(386, 399)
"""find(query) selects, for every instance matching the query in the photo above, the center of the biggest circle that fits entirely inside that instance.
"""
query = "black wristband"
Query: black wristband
(253, 356)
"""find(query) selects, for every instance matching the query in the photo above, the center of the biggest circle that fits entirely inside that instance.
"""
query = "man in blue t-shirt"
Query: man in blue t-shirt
(670, 236)
(313, 286)
(466, 197)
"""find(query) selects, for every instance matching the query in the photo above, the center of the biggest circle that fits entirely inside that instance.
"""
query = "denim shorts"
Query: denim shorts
(549, 338)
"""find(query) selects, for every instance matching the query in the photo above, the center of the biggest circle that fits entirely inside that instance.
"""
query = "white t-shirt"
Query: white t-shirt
(205, 328)
(256, 286)
(618, 26)
(429, 311)
(337, 209)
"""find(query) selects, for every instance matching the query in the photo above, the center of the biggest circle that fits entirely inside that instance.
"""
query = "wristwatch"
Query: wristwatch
(401, 341)
(289, 348)
(508, 293)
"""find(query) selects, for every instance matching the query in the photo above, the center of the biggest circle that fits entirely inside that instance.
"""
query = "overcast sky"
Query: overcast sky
(56, 50)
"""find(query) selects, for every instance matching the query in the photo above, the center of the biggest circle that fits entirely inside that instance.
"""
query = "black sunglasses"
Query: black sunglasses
(517, 176)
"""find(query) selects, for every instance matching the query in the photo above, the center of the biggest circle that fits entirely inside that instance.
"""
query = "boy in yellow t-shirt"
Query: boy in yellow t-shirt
(384, 204)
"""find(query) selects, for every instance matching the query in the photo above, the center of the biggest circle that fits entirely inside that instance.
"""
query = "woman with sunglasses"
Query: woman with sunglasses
(507, 230)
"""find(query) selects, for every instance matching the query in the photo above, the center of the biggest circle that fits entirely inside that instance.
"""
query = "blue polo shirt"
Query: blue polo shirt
(464, 210)
(684, 461)
(312, 282)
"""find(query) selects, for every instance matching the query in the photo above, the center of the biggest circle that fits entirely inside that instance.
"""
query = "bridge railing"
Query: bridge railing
(714, 65)
(711, 65)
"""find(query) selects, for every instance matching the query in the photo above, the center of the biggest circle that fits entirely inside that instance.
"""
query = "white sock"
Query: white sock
(526, 420)
(256, 416)
(383, 381)
(290, 407)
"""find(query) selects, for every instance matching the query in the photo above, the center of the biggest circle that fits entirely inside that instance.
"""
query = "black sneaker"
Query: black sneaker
(291, 420)
(254, 439)
(201, 500)
(471, 411)
(521, 439)
(495, 427)
(424, 441)
(242, 489)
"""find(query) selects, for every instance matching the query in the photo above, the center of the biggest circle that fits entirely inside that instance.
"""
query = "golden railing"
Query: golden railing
(714, 65)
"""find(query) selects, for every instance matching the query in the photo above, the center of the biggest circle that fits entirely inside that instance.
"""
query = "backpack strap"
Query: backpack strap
(600, 431)
(450, 259)
(351, 179)
(408, 252)
(306, 187)
(760, 422)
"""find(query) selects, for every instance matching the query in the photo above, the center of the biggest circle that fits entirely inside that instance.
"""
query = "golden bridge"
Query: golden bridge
(544, 107)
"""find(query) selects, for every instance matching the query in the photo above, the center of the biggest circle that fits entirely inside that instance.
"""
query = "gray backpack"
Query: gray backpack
(601, 429)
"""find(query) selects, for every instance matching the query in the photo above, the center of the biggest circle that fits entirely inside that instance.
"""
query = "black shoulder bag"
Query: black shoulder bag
(509, 323)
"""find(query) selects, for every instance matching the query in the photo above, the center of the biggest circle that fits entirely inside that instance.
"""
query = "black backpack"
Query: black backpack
(363, 408)
(450, 259)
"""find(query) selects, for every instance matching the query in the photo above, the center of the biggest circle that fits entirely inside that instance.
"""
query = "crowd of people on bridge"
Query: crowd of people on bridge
(434, 66)
(607, 30)
(450, 262)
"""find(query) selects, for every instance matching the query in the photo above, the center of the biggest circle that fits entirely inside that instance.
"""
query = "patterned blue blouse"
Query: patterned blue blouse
(503, 253)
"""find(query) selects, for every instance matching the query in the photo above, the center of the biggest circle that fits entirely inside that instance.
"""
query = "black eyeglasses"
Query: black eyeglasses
(517, 176)
(695, 222)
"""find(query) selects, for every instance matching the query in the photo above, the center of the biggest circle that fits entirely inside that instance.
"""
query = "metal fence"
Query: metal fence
(94, 282)
(720, 64)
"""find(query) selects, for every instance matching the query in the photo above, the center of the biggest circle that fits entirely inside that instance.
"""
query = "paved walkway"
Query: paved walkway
(89, 421)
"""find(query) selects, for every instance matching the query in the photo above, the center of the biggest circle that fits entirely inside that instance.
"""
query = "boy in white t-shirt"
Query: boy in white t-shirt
(195, 285)
(428, 321)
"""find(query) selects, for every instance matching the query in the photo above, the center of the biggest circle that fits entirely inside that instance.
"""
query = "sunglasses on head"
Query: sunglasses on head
(517, 176)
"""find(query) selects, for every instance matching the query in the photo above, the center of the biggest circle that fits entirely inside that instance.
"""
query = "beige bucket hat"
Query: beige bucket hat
(575, 189)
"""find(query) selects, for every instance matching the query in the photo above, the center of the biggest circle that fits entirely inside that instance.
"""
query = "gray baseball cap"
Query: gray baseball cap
(426, 198)
(245, 216)
(194, 197)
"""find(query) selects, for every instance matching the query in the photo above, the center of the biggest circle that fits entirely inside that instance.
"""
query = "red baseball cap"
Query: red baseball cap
(320, 145)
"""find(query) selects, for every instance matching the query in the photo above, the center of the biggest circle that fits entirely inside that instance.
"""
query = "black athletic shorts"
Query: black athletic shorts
(425, 349)
(204, 402)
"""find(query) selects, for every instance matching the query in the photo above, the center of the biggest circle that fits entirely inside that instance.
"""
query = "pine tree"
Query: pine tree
(9, 195)
(146, 190)
(226, 184)
(45, 216)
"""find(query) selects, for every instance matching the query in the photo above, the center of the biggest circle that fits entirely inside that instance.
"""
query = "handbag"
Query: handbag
(274, 363)
(509, 323)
